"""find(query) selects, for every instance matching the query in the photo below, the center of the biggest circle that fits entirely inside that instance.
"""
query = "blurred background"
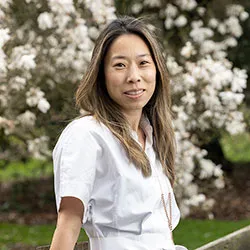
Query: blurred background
(45, 46)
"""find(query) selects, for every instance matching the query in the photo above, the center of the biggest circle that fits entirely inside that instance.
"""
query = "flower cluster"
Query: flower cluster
(40, 63)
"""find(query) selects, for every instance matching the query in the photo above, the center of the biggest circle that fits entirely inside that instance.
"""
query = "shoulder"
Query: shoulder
(82, 127)
(81, 130)
(85, 124)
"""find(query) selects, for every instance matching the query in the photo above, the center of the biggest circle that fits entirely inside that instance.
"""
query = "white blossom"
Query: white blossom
(186, 4)
(208, 46)
(27, 119)
(231, 42)
(213, 23)
(4, 36)
(230, 99)
(191, 190)
(171, 11)
(7, 124)
(186, 178)
(197, 24)
(210, 216)
(207, 168)
(208, 204)
(180, 21)
(196, 200)
(136, 8)
(173, 66)
(239, 81)
(204, 120)
(188, 50)
(17, 83)
(62, 6)
(201, 11)
(101, 11)
(52, 41)
(169, 23)
(62, 22)
(199, 72)
(22, 58)
(189, 81)
(26, 62)
(3, 96)
(3, 63)
(201, 34)
(222, 29)
(219, 183)
(38, 147)
(93, 33)
(222, 77)
(218, 171)
(33, 96)
(189, 98)
(185, 209)
(5, 3)
(233, 26)
(235, 124)
(43, 105)
(67, 57)
(2, 14)
(210, 98)
(152, 3)
(244, 16)
(45, 21)
(234, 9)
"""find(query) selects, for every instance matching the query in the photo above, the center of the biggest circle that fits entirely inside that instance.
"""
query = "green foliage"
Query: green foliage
(30, 169)
(236, 148)
(190, 233)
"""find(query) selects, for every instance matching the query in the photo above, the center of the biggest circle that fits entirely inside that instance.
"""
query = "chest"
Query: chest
(124, 183)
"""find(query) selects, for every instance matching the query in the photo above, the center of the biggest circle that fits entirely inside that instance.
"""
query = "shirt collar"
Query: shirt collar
(147, 129)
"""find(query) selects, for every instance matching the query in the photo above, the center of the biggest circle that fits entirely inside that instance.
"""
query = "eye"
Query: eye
(144, 62)
(119, 65)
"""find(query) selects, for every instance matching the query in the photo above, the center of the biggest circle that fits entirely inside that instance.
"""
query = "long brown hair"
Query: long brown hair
(92, 96)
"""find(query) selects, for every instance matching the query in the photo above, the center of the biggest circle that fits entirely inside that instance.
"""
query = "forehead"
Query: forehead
(127, 44)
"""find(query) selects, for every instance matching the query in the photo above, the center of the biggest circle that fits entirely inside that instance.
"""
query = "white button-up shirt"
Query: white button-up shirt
(122, 209)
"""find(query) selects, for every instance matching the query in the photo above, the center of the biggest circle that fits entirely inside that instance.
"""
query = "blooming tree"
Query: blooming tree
(46, 45)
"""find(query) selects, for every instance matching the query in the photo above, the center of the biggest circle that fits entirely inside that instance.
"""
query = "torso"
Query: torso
(123, 209)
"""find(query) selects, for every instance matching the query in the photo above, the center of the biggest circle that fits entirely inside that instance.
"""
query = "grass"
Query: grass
(11, 234)
(195, 233)
(190, 233)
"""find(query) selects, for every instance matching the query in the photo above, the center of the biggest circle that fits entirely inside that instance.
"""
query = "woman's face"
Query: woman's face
(130, 73)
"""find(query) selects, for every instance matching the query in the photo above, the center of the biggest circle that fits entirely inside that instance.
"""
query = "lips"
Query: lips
(134, 92)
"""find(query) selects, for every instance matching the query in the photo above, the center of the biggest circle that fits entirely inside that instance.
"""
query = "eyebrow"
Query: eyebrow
(124, 57)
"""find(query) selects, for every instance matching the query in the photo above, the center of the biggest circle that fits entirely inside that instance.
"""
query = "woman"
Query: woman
(114, 167)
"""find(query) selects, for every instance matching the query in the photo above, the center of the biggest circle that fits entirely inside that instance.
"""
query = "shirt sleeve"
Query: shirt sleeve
(75, 159)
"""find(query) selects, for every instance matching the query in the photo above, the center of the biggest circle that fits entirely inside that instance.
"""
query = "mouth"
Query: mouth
(135, 93)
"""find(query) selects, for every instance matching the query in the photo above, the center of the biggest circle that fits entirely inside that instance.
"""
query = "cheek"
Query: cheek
(113, 81)
(150, 76)
(114, 77)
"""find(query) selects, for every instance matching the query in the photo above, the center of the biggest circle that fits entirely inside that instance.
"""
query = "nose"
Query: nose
(133, 74)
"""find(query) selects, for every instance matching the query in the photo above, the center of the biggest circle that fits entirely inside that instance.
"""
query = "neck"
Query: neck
(133, 119)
